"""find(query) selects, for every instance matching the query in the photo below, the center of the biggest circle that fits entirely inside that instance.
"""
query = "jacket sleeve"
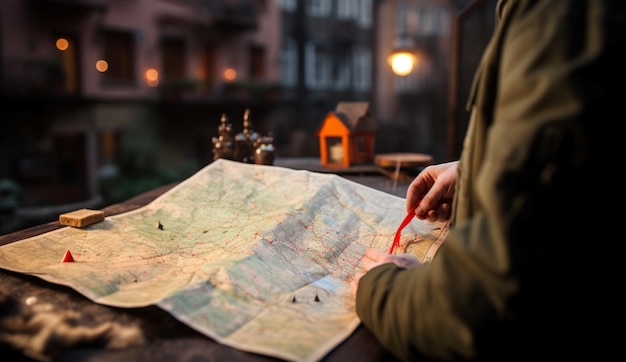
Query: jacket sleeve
(499, 276)
(431, 311)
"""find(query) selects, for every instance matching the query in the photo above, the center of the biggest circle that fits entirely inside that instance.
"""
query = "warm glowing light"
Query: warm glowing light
(152, 77)
(102, 66)
(62, 44)
(402, 62)
(201, 73)
(230, 74)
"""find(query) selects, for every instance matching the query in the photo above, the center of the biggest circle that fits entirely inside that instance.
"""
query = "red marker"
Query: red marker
(405, 222)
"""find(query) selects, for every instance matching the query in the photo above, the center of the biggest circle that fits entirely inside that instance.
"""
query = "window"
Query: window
(318, 67)
(348, 9)
(321, 8)
(432, 21)
(362, 69)
(208, 67)
(173, 58)
(289, 63)
(358, 10)
(425, 21)
(365, 13)
(442, 20)
(361, 145)
(109, 140)
(334, 149)
(326, 69)
(257, 62)
(401, 19)
(68, 58)
(289, 5)
(119, 53)
(341, 71)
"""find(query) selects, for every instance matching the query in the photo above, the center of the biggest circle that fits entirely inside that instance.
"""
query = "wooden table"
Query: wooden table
(402, 166)
(166, 339)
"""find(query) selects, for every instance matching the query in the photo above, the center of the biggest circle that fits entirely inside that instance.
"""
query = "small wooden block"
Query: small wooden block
(81, 218)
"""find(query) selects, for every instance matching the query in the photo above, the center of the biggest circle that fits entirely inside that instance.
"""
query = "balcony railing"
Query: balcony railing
(43, 76)
(77, 4)
(252, 90)
(233, 15)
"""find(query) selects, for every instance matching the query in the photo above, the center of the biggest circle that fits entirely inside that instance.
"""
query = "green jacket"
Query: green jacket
(519, 275)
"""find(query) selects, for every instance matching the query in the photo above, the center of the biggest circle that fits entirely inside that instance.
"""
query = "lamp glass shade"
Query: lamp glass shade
(402, 62)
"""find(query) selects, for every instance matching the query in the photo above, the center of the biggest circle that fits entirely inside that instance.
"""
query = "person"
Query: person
(520, 274)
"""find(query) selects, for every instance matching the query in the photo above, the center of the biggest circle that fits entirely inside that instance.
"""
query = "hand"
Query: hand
(374, 258)
(434, 189)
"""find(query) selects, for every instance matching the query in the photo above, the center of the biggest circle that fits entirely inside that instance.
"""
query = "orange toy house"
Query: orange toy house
(347, 135)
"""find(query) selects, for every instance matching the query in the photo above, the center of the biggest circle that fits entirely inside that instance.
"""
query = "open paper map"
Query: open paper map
(256, 257)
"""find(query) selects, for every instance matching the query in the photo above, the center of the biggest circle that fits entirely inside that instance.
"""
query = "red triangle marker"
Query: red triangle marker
(68, 258)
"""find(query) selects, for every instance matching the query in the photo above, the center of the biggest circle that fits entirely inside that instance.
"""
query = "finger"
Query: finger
(375, 254)
(373, 258)
(354, 283)
(432, 216)
(369, 264)
(415, 192)
(441, 213)
(411, 200)
(427, 204)
(432, 200)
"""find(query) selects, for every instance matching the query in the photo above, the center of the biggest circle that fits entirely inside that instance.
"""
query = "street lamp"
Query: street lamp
(402, 59)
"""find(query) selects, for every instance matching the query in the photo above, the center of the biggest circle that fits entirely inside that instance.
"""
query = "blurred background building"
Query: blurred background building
(105, 99)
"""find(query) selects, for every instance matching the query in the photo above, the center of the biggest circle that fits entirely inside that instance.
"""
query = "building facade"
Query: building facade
(103, 75)
(327, 58)
(125, 90)
(104, 99)
(412, 108)
(108, 98)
